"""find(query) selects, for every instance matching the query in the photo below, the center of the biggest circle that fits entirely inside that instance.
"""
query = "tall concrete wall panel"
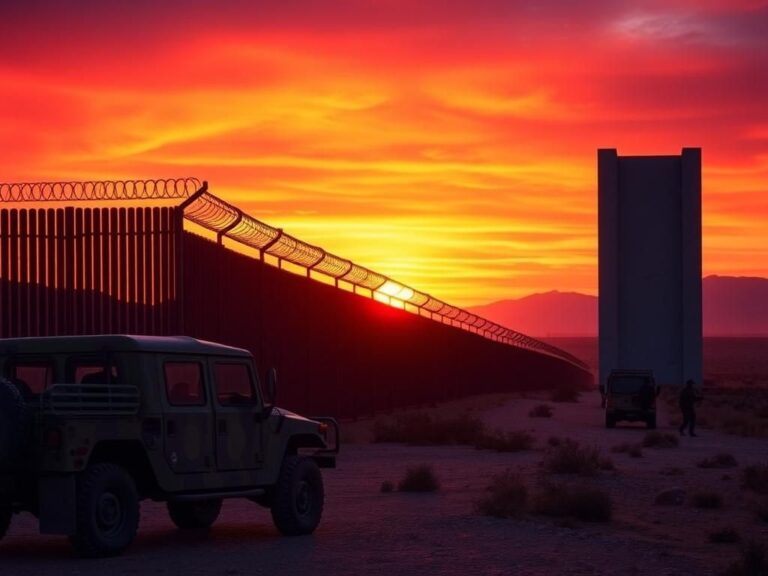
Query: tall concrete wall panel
(650, 264)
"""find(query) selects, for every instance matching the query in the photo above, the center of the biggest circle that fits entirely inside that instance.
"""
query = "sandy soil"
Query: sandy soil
(367, 532)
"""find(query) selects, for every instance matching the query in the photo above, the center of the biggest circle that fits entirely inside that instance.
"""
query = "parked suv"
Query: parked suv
(630, 395)
(92, 425)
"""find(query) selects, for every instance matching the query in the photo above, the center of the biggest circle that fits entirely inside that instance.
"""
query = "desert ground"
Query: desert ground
(366, 531)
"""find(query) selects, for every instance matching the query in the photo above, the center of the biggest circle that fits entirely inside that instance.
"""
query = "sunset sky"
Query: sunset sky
(451, 145)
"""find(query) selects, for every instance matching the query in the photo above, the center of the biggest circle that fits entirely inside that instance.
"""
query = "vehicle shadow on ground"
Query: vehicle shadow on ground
(34, 550)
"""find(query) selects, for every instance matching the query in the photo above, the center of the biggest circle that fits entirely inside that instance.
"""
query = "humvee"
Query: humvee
(92, 425)
(630, 395)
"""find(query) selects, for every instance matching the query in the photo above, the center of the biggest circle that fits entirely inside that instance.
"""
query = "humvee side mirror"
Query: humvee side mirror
(271, 391)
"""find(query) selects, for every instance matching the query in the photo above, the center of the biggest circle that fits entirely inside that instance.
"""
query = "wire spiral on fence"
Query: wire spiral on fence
(227, 221)
(166, 188)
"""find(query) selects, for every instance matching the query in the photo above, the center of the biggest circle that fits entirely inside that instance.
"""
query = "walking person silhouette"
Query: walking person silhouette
(688, 400)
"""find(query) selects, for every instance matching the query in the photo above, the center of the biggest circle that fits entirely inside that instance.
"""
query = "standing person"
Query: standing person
(688, 400)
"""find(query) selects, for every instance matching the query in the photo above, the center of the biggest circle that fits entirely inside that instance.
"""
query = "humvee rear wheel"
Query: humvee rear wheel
(191, 515)
(107, 511)
(651, 422)
(5, 520)
(299, 497)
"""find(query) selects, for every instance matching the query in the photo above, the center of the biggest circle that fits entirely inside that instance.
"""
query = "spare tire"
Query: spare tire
(14, 423)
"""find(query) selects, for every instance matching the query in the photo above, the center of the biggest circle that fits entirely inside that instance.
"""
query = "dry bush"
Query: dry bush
(724, 536)
(421, 429)
(722, 460)
(387, 487)
(708, 500)
(541, 411)
(570, 458)
(755, 478)
(753, 561)
(660, 440)
(554, 441)
(507, 496)
(419, 478)
(744, 426)
(762, 511)
(512, 441)
(672, 471)
(565, 394)
(633, 450)
(581, 502)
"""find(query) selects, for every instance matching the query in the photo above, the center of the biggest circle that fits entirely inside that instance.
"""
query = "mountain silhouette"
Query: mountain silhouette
(732, 306)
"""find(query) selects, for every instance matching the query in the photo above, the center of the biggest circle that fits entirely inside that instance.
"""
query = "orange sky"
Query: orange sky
(451, 145)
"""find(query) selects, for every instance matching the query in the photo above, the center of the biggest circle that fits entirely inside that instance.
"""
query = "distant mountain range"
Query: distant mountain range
(732, 306)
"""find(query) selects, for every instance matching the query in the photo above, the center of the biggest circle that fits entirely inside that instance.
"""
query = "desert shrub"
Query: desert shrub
(722, 460)
(541, 411)
(724, 536)
(419, 478)
(660, 440)
(581, 502)
(634, 450)
(570, 458)
(512, 441)
(672, 471)
(422, 429)
(753, 561)
(755, 478)
(744, 426)
(505, 497)
(761, 511)
(565, 394)
(554, 441)
(708, 500)
(387, 486)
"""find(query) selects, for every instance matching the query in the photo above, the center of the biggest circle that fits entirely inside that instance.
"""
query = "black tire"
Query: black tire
(5, 520)
(610, 422)
(299, 497)
(14, 423)
(650, 423)
(194, 515)
(107, 511)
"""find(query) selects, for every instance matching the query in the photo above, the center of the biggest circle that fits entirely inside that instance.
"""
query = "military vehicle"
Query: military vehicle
(630, 395)
(92, 425)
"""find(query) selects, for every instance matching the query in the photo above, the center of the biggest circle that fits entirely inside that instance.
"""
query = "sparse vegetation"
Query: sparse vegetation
(565, 394)
(419, 478)
(512, 441)
(554, 441)
(708, 500)
(580, 502)
(387, 486)
(421, 429)
(506, 496)
(762, 511)
(755, 478)
(722, 460)
(672, 471)
(753, 561)
(724, 536)
(541, 411)
(660, 440)
(570, 458)
(633, 450)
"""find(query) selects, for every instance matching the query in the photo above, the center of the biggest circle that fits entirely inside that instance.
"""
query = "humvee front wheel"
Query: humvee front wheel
(5, 520)
(107, 511)
(299, 497)
(192, 515)
(610, 421)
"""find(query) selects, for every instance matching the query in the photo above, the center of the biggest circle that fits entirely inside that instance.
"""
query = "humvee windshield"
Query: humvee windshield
(627, 385)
